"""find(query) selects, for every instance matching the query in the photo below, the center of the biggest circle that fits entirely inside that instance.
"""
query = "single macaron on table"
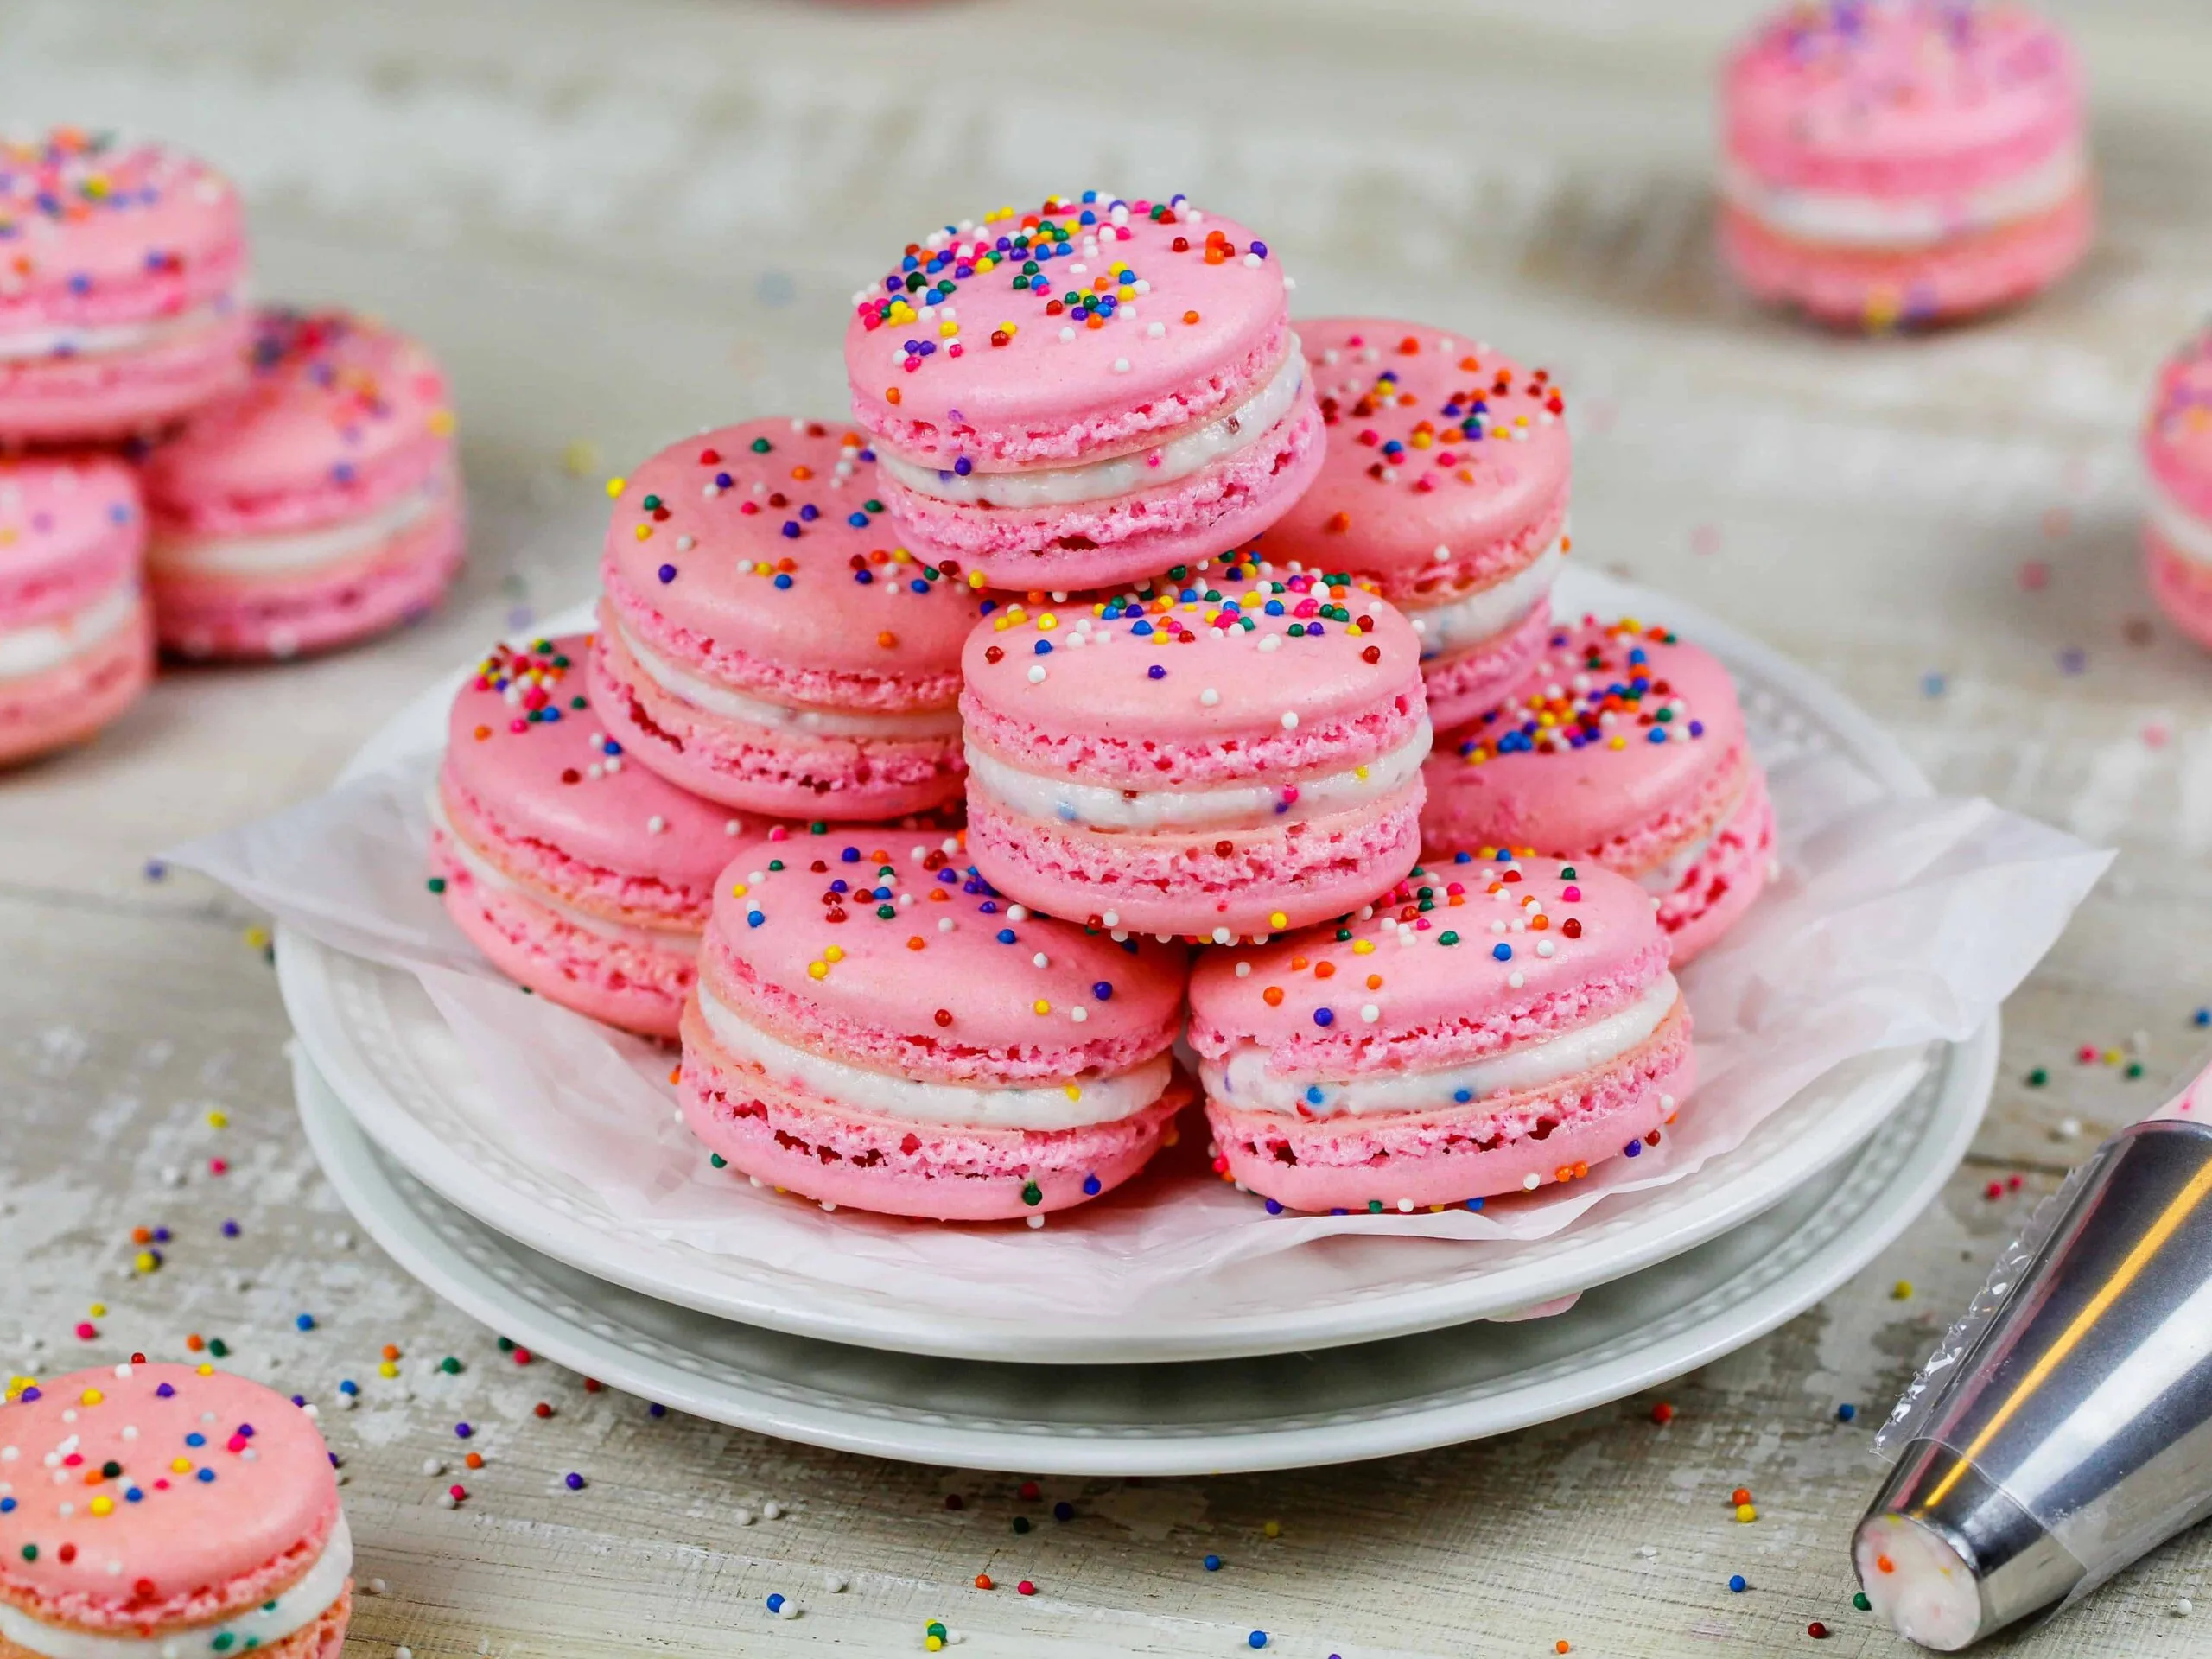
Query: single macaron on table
(76, 637)
(584, 877)
(1445, 484)
(1623, 747)
(767, 641)
(1085, 393)
(1226, 759)
(2177, 522)
(123, 306)
(1911, 162)
(875, 1026)
(168, 1511)
(1495, 1025)
(318, 504)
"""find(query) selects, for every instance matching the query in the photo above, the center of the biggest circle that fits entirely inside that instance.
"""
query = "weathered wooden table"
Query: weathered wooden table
(620, 221)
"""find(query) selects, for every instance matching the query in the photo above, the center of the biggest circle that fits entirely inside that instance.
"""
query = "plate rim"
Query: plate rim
(306, 981)
(1956, 1115)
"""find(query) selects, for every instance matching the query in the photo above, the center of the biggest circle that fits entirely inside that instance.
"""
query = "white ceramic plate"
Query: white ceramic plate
(1208, 1416)
(374, 1036)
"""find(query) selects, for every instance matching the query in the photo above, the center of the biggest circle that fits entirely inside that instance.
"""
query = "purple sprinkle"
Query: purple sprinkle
(462, 1431)
(162, 1393)
(574, 1482)
(668, 573)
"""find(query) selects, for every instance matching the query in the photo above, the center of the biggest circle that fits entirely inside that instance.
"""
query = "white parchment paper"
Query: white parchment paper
(1892, 923)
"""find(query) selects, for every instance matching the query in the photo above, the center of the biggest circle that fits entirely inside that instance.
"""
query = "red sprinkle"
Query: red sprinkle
(1025, 1588)
(1662, 1414)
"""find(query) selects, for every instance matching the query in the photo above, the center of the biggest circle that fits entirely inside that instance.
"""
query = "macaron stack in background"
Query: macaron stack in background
(298, 471)
(1911, 161)
(2177, 522)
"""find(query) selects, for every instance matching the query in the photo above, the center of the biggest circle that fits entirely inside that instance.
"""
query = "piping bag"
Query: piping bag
(2063, 1426)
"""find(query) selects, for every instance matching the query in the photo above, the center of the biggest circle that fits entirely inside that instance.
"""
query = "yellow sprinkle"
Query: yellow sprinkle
(145, 1261)
(738, 892)
(1363, 947)
(974, 578)
(1074, 1091)
(256, 938)
(1041, 1006)
(99, 1310)
(1277, 919)
(1047, 622)
(614, 487)
(1360, 773)
(932, 1643)
(442, 422)
(1420, 440)
(387, 1369)
(207, 1371)
(644, 532)
(1901, 1291)
(580, 459)
(17, 1384)
(1747, 1512)
(91, 1397)
(818, 969)
(180, 1466)
(1273, 1528)
(218, 1120)
(1617, 743)
(947, 330)
(102, 1505)
(2113, 1057)
(834, 953)
(901, 556)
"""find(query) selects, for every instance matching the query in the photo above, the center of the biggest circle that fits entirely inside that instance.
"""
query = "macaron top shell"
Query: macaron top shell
(1247, 651)
(1437, 449)
(851, 926)
(768, 538)
(1855, 95)
(1470, 957)
(70, 529)
(2178, 438)
(1617, 723)
(176, 1492)
(94, 231)
(338, 415)
(522, 740)
(968, 346)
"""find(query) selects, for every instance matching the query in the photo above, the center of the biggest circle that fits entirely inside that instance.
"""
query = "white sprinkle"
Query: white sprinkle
(944, 924)
(1666, 1102)
(1369, 1012)
(1516, 979)
(2067, 1128)
(1078, 1013)
(432, 1466)
(1290, 720)
(1441, 553)
(1209, 696)
(1405, 1206)
(656, 825)
(1066, 334)
(1041, 960)
(1220, 936)
(742, 1516)
(1037, 674)
(772, 1510)
(1120, 365)
(1528, 1182)
(1017, 913)
(2184, 1606)
(1545, 947)
(402, 1652)
(731, 826)
(446, 1501)
(1112, 918)
(685, 544)
(788, 1609)
(1271, 642)
(833, 1583)
(1036, 1221)
(1154, 330)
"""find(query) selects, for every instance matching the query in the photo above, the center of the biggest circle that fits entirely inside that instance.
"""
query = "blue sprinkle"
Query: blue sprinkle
(349, 1386)
(1091, 1186)
(657, 1409)
(667, 573)
(1062, 1510)
(1932, 684)
(1474, 1204)
(2201, 1017)
(1102, 989)
(1314, 1095)
(1042, 648)
(857, 520)
(790, 530)
(1634, 1149)
(462, 1432)
(1736, 1583)
(1656, 734)
(1212, 1563)
(207, 1475)
(809, 513)
(962, 467)
(195, 1439)
(723, 480)
(1257, 1639)
(1502, 951)
(1005, 936)
(784, 581)
(864, 577)
(753, 918)
(1274, 1209)
(165, 1391)
(1845, 1412)
(775, 1604)
(1463, 1096)
(305, 1322)
(574, 1483)
(7, 1506)
(851, 855)
(1325, 1017)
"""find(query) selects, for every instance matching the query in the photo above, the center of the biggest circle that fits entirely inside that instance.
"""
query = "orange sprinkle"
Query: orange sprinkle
(674, 1075)
(474, 1460)
(1338, 523)
(1324, 970)
(915, 942)
(1272, 997)
(886, 639)
(983, 1580)
(391, 1351)
(890, 394)
(1190, 316)
(1374, 981)
(1298, 964)
(195, 1342)
(483, 732)
(801, 472)
(1884, 1564)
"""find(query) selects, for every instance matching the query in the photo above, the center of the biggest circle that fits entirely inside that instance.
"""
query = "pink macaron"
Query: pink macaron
(1231, 758)
(122, 268)
(2177, 453)
(76, 637)
(167, 1510)
(318, 504)
(1913, 161)
(1492, 1025)
(1084, 394)
(1622, 747)
(580, 875)
(875, 1026)
(767, 641)
(1445, 482)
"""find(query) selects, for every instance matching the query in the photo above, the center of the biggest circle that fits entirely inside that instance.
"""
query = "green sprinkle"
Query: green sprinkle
(761, 445)
(2038, 1077)
(717, 1161)
(1032, 1193)
(217, 1347)
(775, 863)
(1859, 1600)
(886, 912)
(871, 505)
(437, 884)
(450, 1366)
(935, 1628)
(651, 503)
(507, 1344)
(1375, 1206)
(1447, 937)
(1566, 872)
(1021, 1523)
(31, 1552)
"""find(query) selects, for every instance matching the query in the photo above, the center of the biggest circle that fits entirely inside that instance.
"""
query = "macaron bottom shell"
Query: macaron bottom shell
(2181, 585)
(71, 701)
(252, 619)
(629, 983)
(1458, 1152)
(1237, 883)
(780, 773)
(1462, 685)
(1725, 879)
(1227, 503)
(802, 1144)
(1874, 289)
(120, 394)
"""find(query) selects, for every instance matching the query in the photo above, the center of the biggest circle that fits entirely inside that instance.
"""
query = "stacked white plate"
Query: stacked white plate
(1388, 1345)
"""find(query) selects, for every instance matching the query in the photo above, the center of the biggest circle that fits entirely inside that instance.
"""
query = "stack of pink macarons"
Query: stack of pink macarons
(926, 776)
(296, 488)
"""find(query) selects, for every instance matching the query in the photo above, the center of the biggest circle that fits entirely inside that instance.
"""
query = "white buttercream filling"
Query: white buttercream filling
(43, 646)
(314, 1594)
(1849, 220)
(1929, 1595)
(1144, 811)
(1078, 1102)
(2179, 528)
(26, 344)
(1666, 875)
(304, 549)
(780, 717)
(1458, 624)
(1241, 1078)
(685, 941)
(1099, 480)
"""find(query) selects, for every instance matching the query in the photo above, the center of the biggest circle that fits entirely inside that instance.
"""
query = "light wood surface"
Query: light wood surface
(619, 221)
